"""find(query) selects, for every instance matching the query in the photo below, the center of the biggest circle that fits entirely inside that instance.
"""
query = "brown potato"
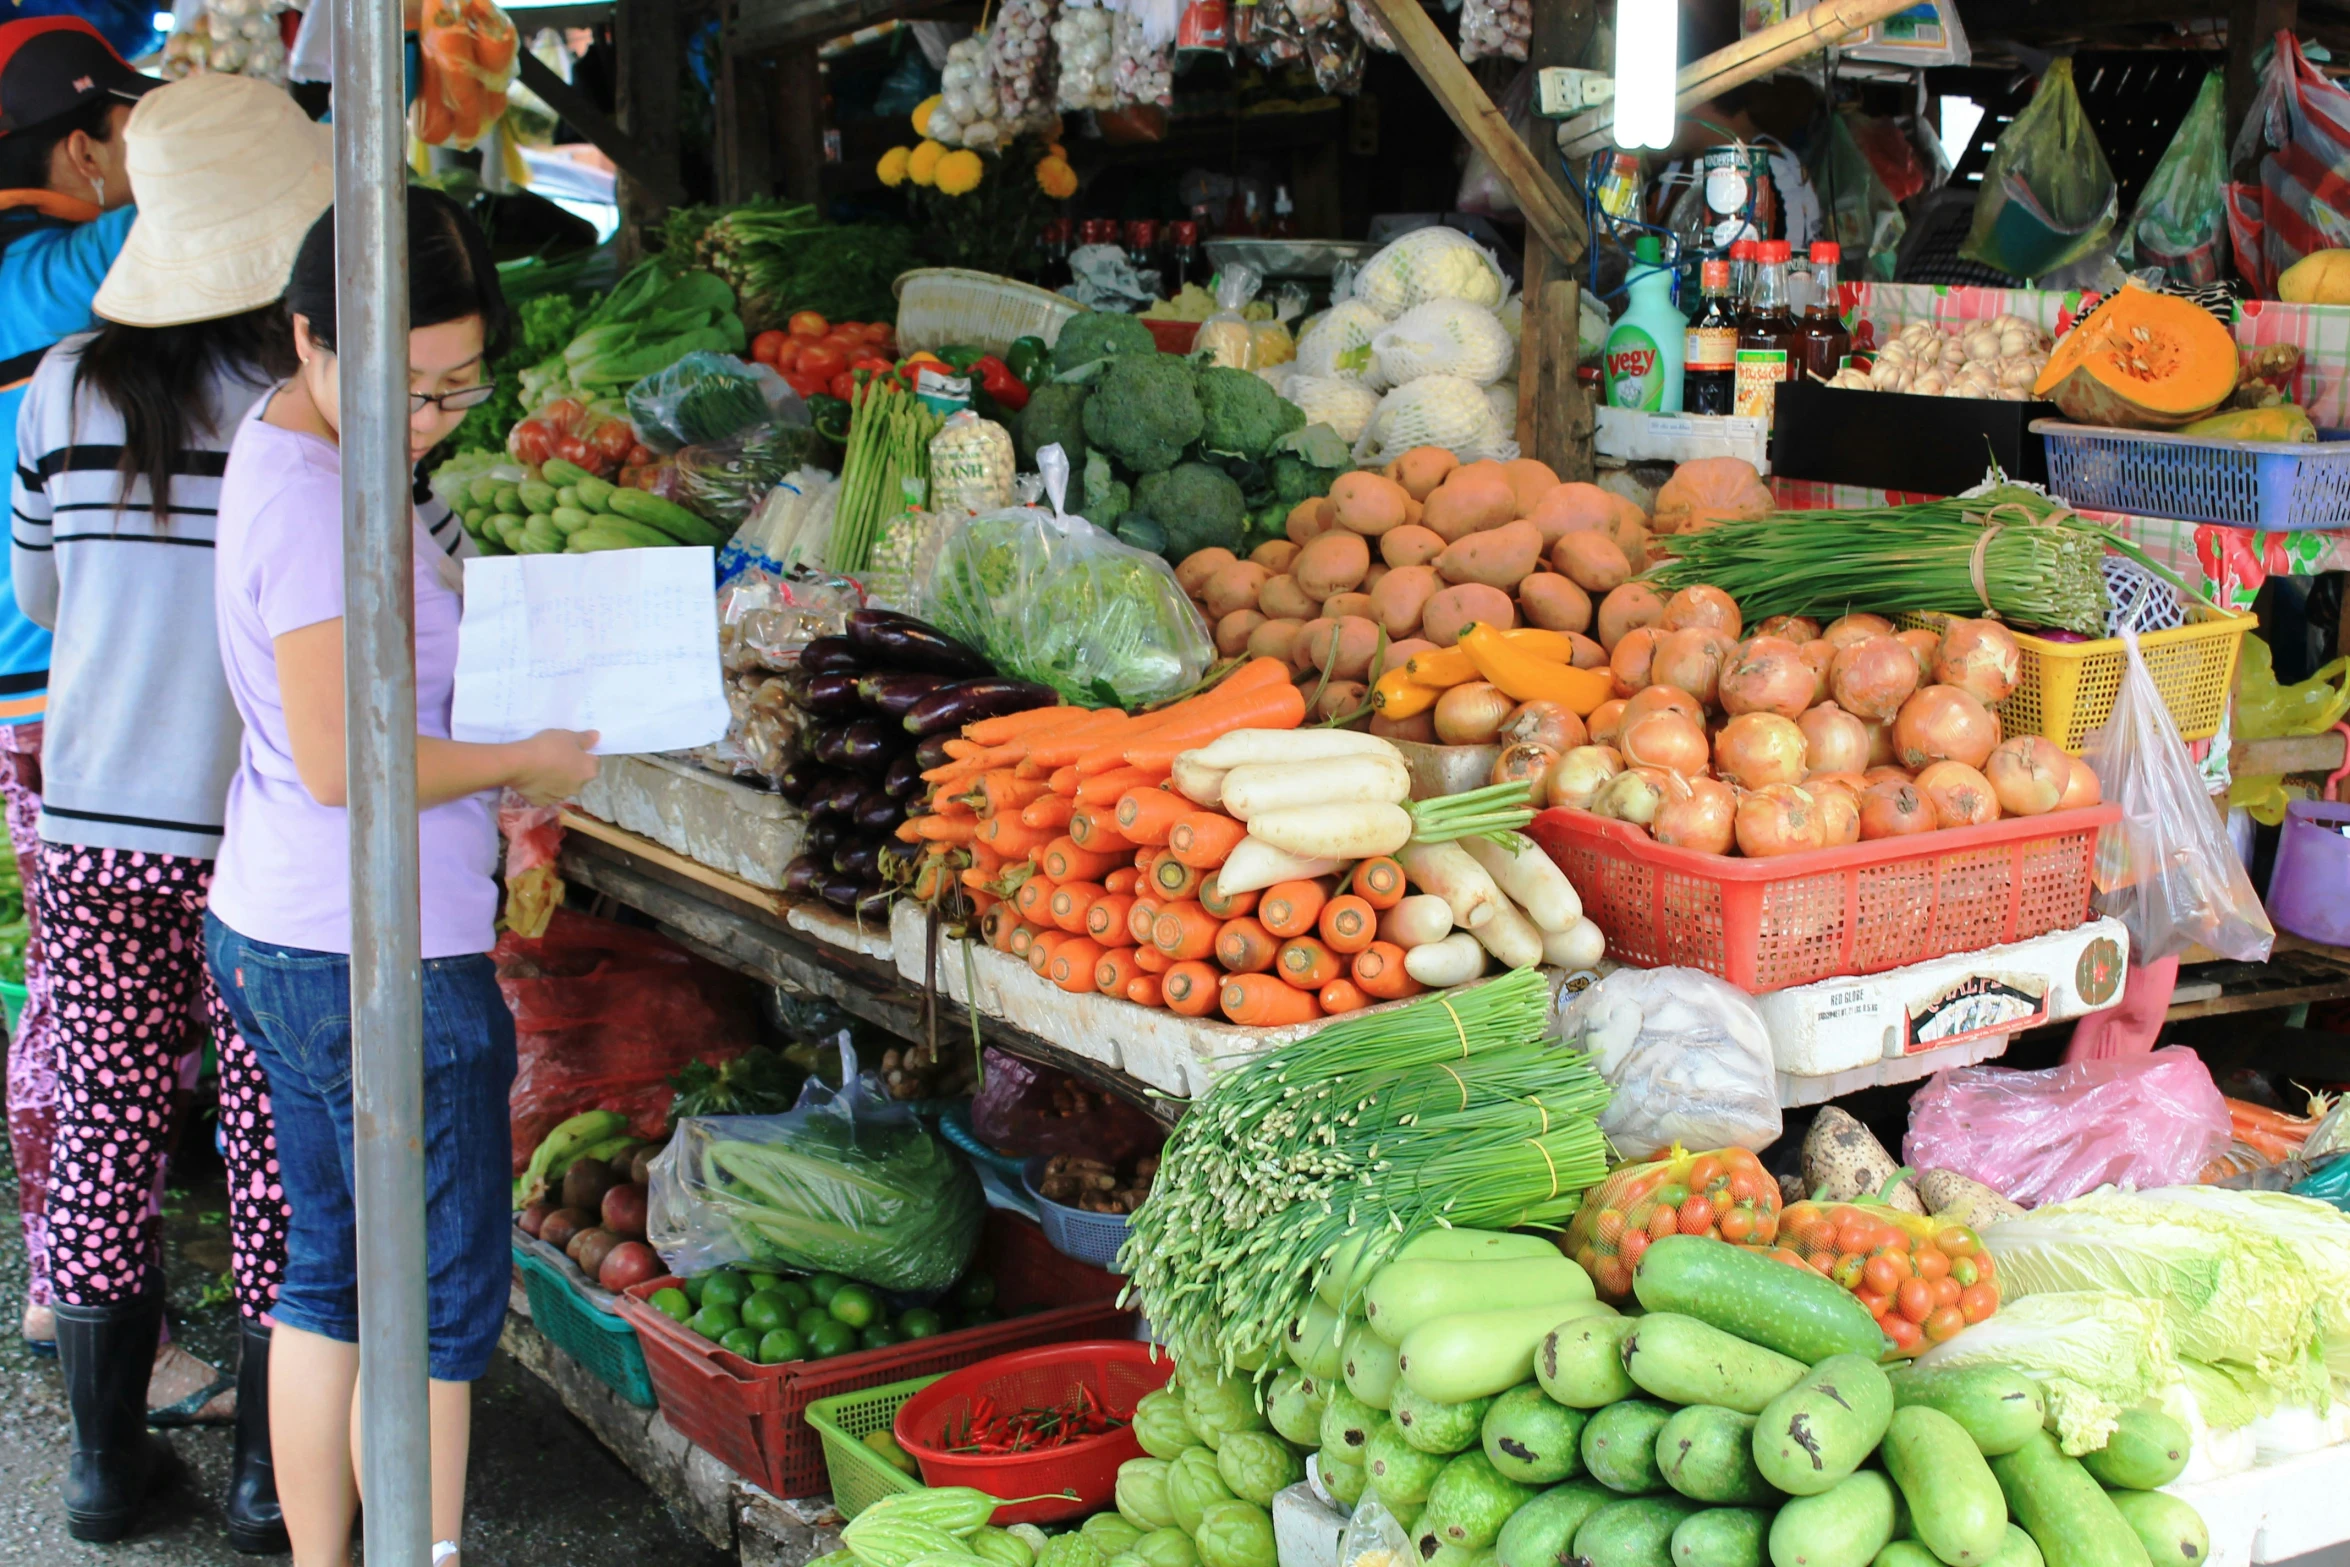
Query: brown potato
(1530, 479)
(1410, 545)
(1234, 630)
(1373, 577)
(1399, 599)
(1594, 562)
(1274, 555)
(1420, 727)
(1421, 469)
(1338, 698)
(1301, 649)
(1273, 639)
(1550, 601)
(1627, 608)
(1330, 563)
(1339, 605)
(1588, 654)
(1498, 557)
(1194, 570)
(1282, 599)
(1233, 587)
(1449, 612)
(1470, 500)
(1367, 503)
(1356, 639)
(1308, 520)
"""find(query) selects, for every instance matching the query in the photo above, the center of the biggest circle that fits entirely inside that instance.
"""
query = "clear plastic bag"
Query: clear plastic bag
(1020, 56)
(2299, 129)
(2048, 196)
(1374, 1536)
(1687, 1058)
(852, 1186)
(2265, 710)
(1142, 59)
(1225, 338)
(465, 62)
(2181, 221)
(1444, 337)
(1052, 598)
(725, 481)
(2166, 869)
(2042, 1137)
(968, 105)
(1864, 216)
(766, 617)
(1082, 47)
(706, 398)
(1369, 27)
(1336, 56)
(1028, 1110)
(1495, 29)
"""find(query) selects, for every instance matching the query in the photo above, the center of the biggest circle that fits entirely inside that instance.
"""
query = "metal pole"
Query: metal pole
(379, 708)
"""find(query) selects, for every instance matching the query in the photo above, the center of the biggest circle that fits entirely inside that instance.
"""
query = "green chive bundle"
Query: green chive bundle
(1451, 1111)
(2043, 567)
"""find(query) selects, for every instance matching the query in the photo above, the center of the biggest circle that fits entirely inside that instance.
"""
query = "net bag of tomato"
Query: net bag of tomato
(1922, 1279)
(1723, 1194)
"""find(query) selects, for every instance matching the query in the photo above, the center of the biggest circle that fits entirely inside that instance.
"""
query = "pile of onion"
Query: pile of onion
(1756, 750)
(1944, 724)
(1768, 675)
(1667, 739)
(1834, 741)
(1779, 819)
(1580, 774)
(2029, 775)
(1698, 813)
(1981, 658)
(1872, 677)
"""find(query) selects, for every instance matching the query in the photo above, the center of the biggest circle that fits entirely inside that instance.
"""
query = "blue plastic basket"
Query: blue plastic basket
(2278, 487)
(954, 1124)
(1073, 1232)
(603, 1341)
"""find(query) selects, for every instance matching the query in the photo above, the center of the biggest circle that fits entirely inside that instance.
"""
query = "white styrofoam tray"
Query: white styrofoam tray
(719, 822)
(1635, 435)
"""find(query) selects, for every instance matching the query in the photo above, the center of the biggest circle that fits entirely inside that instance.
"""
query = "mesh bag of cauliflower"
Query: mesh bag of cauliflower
(1436, 410)
(1430, 263)
(1346, 406)
(1443, 337)
(1338, 343)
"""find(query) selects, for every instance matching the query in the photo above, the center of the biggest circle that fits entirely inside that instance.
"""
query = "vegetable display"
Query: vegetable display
(769, 1318)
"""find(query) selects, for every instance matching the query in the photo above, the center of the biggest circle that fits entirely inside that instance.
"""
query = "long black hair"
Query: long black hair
(450, 273)
(159, 379)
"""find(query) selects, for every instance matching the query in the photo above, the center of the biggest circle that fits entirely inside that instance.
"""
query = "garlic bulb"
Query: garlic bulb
(2017, 371)
(1930, 383)
(1953, 352)
(1854, 380)
(1981, 344)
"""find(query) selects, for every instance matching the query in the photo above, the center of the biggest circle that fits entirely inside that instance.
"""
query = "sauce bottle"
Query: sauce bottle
(1766, 335)
(1742, 272)
(1821, 341)
(1709, 358)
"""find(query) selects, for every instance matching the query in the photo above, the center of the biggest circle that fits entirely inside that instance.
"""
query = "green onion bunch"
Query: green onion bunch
(884, 471)
(2043, 567)
(1491, 812)
(1450, 1111)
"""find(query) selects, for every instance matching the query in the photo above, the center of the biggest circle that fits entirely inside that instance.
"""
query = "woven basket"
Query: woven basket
(942, 305)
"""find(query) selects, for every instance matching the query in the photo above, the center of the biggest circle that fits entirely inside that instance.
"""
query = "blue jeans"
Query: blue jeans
(295, 1007)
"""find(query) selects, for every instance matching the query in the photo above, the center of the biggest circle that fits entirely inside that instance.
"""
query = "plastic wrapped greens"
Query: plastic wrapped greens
(725, 481)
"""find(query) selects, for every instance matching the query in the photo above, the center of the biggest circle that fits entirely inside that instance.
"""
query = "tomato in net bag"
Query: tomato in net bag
(1723, 1193)
(1922, 1279)
(465, 62)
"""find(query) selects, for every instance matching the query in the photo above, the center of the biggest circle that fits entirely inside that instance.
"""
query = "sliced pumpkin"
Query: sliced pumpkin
(2142, 361)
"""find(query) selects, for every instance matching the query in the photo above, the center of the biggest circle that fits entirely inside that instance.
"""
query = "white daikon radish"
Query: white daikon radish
(1415, 921)
(1511, 937)
(1196, 781)
(1579, 946)
(1243, 746)
(1253, 865)
(1525, 870)
(1254, 788)
(1445, 870)
(1335, 832)
(1455, 960)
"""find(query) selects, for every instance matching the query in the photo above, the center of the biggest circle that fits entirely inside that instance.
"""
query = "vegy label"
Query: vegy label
(1632, 378)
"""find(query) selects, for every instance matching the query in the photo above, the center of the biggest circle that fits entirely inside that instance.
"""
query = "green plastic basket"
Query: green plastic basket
(860, 1476)
(602, 1341)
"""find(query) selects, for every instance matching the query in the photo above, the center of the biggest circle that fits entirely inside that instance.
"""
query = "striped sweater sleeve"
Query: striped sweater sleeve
(32, 564)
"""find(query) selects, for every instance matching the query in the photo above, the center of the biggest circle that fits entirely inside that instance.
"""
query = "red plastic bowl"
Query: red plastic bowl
(1084, 1474)
(1174, 337)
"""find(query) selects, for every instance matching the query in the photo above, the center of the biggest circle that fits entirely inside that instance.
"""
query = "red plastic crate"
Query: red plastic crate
(1862, 909)
(752, 1416)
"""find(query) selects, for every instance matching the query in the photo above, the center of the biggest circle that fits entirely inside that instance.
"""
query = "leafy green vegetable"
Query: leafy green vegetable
(1143, 411)
(757, 1082)
(782, 258)
(700, 399)
(541, 326)
(1242, 416)
(2093, 1353)
(1100, 334)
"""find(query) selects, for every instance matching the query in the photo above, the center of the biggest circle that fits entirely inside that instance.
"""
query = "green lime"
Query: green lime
(674, 1301)
(758, 1280)
(807, 1319)
(831, 1338)
(782, 1345)
(979, 1318)
(715, 1321)
(886, 1446)
(743, 1342)
(854, 1304)
(724, 1287)
(822, 1287)
(976, 1292)
(878, 1335)
(922, 1322)
(793, 1291)
(764, 1312)
(693, 1288)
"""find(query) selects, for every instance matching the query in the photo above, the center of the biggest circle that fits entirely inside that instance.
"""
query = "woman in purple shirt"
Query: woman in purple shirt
(279, 933)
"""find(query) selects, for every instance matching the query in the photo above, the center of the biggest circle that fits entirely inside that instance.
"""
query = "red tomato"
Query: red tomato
(1914, 1299)
(1719, 1199)
(1613, 1278)
(1932, 1265)
(1847, 1269)
(1629, 1253)
(807, 323)
(1738, 1226)
(763, 346)
(638, 456)
(1977, 1301)
(1855, 1233)
(613, 440)
(1663, 1221)
(1945, 1291)
(1822, 1263)
(843, 385)
(804, 384)
(1882, 1275)
(1946, 1322)
(1608, 1228)
(1873, 1300)
(562, 413)
(1744, 1187)
(1703, 1171)
(788, 356)
(530, 442)
(1695, 1215)
(1965, 1271)
(1904, 1333)
(1958, 1241)
(1799, 1213)
(820, 361)
(1984, 1272)
(574, 450)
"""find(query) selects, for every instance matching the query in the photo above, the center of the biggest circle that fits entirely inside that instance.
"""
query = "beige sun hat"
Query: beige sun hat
(229, 174)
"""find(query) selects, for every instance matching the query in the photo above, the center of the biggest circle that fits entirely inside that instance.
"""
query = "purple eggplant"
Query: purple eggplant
(877, 812)
(891, 692)
(902, 642)
(869, 744)
(830, 738)
(832, 656)
(822, 837)
(932, 752)
(832, 696)
(838, 798)
(801, 876)
(842, 892)
(800, 778)
(861, 859)
(903, 781)
(949, 708)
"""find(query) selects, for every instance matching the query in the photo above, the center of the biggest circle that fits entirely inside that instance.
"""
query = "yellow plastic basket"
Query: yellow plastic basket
(942, 305)
(2067, 689)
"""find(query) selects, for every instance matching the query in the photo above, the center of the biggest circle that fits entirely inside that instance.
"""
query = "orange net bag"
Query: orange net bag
(1725, 1194)
(1922, 1279)
(465, 51)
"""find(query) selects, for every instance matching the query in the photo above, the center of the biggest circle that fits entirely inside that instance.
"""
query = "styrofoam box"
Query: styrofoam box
(868, 938)
(1942, 1006)
(2272, 1513)
(719, 822)
(1634, 435)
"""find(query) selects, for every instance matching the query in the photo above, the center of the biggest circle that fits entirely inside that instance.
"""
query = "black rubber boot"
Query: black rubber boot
(107, 1353)
(256, 1526)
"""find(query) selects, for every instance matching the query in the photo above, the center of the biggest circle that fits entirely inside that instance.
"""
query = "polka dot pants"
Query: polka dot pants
(125, 938)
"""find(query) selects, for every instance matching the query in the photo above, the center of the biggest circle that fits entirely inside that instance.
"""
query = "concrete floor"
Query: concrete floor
(543, 1492)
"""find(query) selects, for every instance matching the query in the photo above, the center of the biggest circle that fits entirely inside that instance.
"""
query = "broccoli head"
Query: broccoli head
(1055, 414)
(1143, 412)
(1199, 507)
(1243, 416)
(1106, 495)
(1295, 479)
(1100, 334)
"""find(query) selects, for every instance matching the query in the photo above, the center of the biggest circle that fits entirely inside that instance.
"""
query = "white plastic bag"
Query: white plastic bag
(2166, 869)
(1444, 337)
(1081, 43)
(1020, 54)
(1687, 1058)
(1225, 338)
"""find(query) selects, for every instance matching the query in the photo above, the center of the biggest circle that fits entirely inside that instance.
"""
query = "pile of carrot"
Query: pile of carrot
(1083, 860)
(2260, 1137)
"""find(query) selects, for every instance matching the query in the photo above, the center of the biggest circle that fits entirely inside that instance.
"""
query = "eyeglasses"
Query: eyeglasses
(458, 401)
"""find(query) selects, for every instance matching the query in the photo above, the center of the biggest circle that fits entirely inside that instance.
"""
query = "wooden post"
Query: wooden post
(799, 122)
(1554, 417)
(746, 135)
(645, 44)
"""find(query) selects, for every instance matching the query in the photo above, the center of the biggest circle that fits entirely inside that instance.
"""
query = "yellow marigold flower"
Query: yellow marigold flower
(922, 162)
(922, 113)
(959, 172)
(1053, 149)
(1056, 178)
(892, 167)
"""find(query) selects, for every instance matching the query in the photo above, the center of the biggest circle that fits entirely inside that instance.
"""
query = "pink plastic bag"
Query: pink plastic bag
(2299, 125)
(2041, 1137)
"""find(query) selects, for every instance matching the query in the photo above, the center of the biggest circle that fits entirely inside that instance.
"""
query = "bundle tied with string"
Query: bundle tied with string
(1449, 1110)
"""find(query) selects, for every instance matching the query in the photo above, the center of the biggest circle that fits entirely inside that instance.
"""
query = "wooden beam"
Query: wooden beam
(745, 134)
(1702, 80)
(2285, 754)
(1550, 217)
(799, 130)
(646, 39)
(591, 122)
(1554, 417)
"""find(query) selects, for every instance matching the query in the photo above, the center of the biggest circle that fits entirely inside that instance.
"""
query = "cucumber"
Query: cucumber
(507, 527)
(569, 519)
(1619, 1446)
(1403, 1295)
(595, 494)
(1402, 1472)
(1479, 1354)
(1908, 1553)
(1684, 1361)
(1844, 1526)
(566, 496)
(1635, 1533)
(483, 492)
(1367, 1361)
(1530, 1438)
(1312, 1343)
(1792, 1310)
(539, 540)
(1470, 1501)
(1997, 1406)
(1722, 1537)
(509, 498)
(1435, 1427)
(2068, 1516)
(557, 472)
(1955, 1505)
(1346, 1277)
(588, 541)
(474, 517)
(2018, 1551)
(536, 495)
(1542, 1533)
(1348, 1423)
(1818, 1431)
(1345, 1482)
(2148, 1450)
(1707, 1454)
(674, 520)
(1580, 1363)
(2172, 1532)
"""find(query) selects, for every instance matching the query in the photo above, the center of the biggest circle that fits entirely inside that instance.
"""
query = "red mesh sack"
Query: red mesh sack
(603, 1014)
(1724, 1193)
